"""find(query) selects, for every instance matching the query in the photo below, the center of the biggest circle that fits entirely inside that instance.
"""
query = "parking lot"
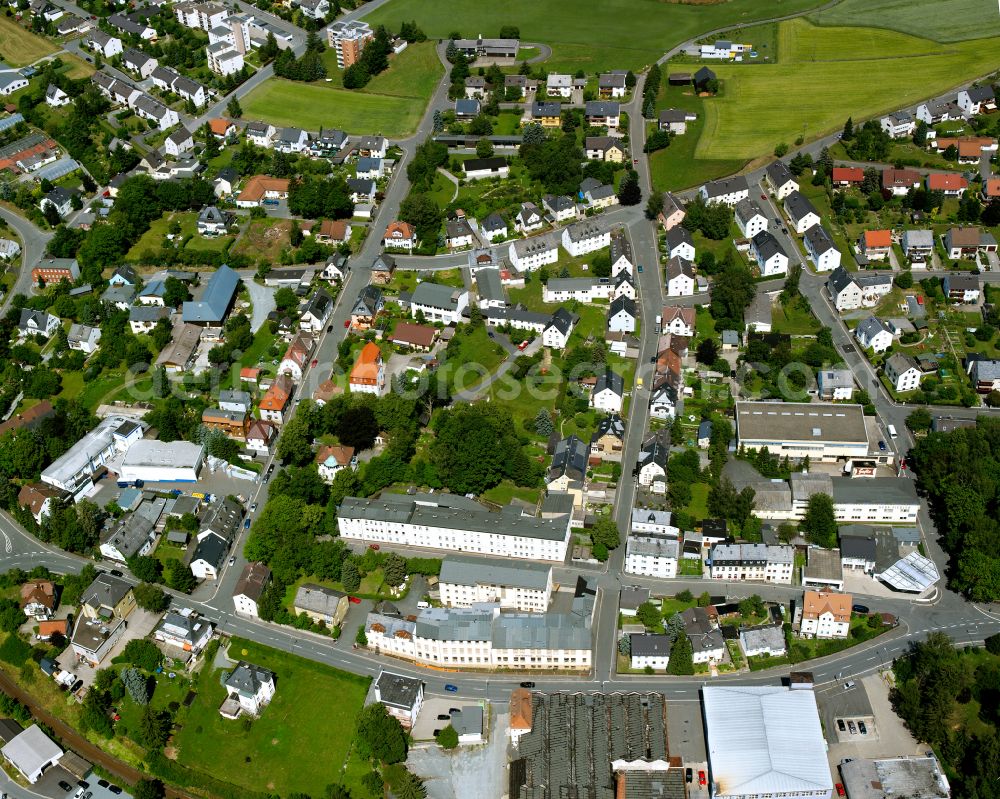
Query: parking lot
(429, 719)
(51, 782)
(479, 770)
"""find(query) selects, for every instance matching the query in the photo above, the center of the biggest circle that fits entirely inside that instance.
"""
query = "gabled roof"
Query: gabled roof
(612, 425)
(677, 266)
(216, 298)
(622, 303)
(878, 238)
(779, 174)
(818, 240)
(569, 458)
(563, 321)
(609, 380)
(798, 206)
(767, 246)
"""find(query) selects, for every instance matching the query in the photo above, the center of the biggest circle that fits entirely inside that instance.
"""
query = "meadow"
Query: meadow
(824, 75)
(19, 46)
(605, 37)
(943, 21)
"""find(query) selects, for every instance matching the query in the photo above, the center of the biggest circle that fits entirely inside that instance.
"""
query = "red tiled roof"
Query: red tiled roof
(848, 174)
(946, 182)
(878, 238)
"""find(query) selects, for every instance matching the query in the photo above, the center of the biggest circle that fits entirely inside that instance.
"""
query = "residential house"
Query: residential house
(84, 338)
(675, 120)
(224, 59)
(622, 260)
(400, 236)
(899, 125)
(728, 191)
(847, 176)
(706, 638)
(672, 214)
(780, 179)
(835, 384)
(213, 222)
(749, 218)
(948, 183)
(622, 315)
(466, 109)
(649, 650)
(233, 400)
(249, 589)
(402, 696)
(872, 334)
(611, 85)
(104, 43)
(321, 604)
(967, 242)
(977, 99)
(557, 85)
(759, 562)
(548, 115)
(37, 323)
(568, 470)
(50, 271)
(249, 688)
(515, 84)
(39, 499)
(821, 250)
(602, 113)
(899, 181)
(489, 289)
(439, 303)
(850, 291)
(475, 88)
(60, 199)
(528, 219)
(984, 374)
(527, 255)
(56, 97)
(366, 307)
(262, 190)
(296, 357)
(680, 244)
(261, 134)
(138, 62)
(902, 372)
(184, 630)
(368, 373)
(609, 392)
(459, 233)
(801, 213)
(38, 599)
(677, 320)
(918, 245)
(332, 459)
(608, 441)
(143, 318)
(414, 337)
(875, 244)
(557, 332)
(962, 288)
(766, 640)
(825, 615)
(769, 254)
(373, 146)
(179, 142)
(680, 276)
(560, 208)
(260, 436)
(479, 168)
(316, 312)
(277, 400)
(604, 148)
(382, 270)
(493, 227)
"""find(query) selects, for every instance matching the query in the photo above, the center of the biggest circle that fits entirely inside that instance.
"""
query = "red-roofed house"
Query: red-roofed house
(296, 357)
(418, 337)
(39, 498)
(277, 400)
(953, 185)
(221, 127)
(875, 244)
(260, 436)
(250, 374)
(46, 629)
(332, 231)
(368, 374)
(991, 189)
(848, 175)
(899, 181)
(331, 460)
(400, 236)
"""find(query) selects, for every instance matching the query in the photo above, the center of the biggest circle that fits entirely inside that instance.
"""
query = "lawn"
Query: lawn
(506, 491)
(698, 506)
(264, 239)
(675, 167)
(475, 357)
(313, 705)
(944, 21)
(604, 37)
(19, 46)
(826, 75)
(413, 73)
(312, 106)
(795, 319)
(155, 237)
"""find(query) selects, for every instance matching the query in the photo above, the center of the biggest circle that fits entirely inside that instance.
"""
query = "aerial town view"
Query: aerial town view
(407, 400)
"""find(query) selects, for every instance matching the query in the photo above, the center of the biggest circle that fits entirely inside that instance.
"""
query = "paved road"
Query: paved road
(33, 241)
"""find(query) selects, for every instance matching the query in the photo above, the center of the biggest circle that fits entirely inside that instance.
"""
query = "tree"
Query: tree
(629, 192)
(605, 531)
(780, 150)
(151, 597)
(654, 205)
(819, 523)
(394, 569)
(447, 738)
(378, 736)
(143, 654)
(752, 606)
(350, 577)
(484, 148)
(147, 569)
(707, 351)
(649, 615)
(919, 420)
(681, 655)
(149, 789)
(154, 728)
(543, 423)
(423, 213)
(136, 685)
(178, 576)
(904, 279)
(233, 108)
(848, 132)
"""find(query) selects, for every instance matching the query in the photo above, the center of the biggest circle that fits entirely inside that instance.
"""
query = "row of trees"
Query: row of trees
(307, 67)
(373, 60)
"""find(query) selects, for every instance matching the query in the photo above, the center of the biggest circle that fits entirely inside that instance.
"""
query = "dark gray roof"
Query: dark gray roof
(979, 94)
(718, 188)
(679, 266)
(397, 691)
(247, 678)
(678, 234)
(106, 591)
(818, 240)
(767, 245)
(467, 107)
(798, 206)
(839, 280)
(318, 599)
(466, 570)
(602, 108)
(369, 300)
(779, 174)
(611, 424)
(563, 321)
(649, 645)
(570, 458)
(364, 186)
(540, 109)
(861, 547)
(610, 379)
(212, 550)
(494, 222)
(622, 303)
(703, 74)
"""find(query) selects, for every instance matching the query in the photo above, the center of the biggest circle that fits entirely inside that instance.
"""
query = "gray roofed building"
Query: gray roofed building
(609, 380)
(489, 286)
(467, 107)
(468, 722)
(569, 459)
(247, 678)
(602, 108)
(210, 551)
(465, 570)
(720, 188)
(541, 109)
(215, 300)
(435, 295)
(649, 645)
(398, 692)
(678, 235)
(799, 207)
(31, 752)
(778, 174)
(539, 631)
(765, 638)
(104, 594)
(678, 266)
(134, 533)
(767, 246)
(909, 777)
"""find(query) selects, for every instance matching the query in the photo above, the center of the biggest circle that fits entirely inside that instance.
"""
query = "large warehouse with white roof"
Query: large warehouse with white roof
(163, 462)
(823, 431)
(765, 741)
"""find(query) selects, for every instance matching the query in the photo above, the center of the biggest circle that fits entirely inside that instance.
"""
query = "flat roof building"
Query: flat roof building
(821, 431)
(910, 777)
(764, 740)
(163, 461)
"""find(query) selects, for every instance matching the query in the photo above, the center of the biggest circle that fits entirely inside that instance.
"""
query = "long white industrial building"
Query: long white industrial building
(163, 462)
(445, 521)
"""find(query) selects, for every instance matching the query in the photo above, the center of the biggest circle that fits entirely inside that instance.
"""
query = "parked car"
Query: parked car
(701, 778)
(862, 728)
(347, 323)
(523, 345)
(329, 328)
(850, 726)
(639, 267)
(848, 685)
(452, 689)
(354, 600)
(114, 789)
(840, 790)
(443, 717)
(253, 508)
(103, 783)
(232, 560)
(117, 573)
(376, 547)
(246, 524)
(840, 725)
(859, 609)
(528, 684)
(65, 786)
(688, 775)
(315, 362)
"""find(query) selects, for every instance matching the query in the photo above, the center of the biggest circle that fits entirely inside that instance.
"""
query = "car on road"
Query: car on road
(847, 687)
(443, 717)
(347, 323)
(253, 508)
(117, 573)
(859, 609)
(246, 524)
(763, 196)
(701, 778)
(452, 689)
(354, 600)
(329, 328)
(639, 267)
(232, 560)
(840, 790)
(882, 446)
(315, 363)
(528, 684)
(522, 346)
(635, 160)
(689, 775)
(491, 334)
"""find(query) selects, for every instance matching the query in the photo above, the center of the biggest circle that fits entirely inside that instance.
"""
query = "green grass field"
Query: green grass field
(944, 21)
(311, 106)
(314, 706)
(391, 103)
(19, 46)
(606, 36)
(824, 75)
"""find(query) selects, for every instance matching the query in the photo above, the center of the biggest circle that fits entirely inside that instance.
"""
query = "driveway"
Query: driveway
(262, 298)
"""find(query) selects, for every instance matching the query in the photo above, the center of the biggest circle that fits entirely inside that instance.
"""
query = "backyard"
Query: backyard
(264, 239)
(314, 705)
(156, 237)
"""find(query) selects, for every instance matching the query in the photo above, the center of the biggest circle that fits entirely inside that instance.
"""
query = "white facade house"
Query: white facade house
(780, 179)
(757, 562)
(680, 244)
(250, 588)
(899, 125)
(835, 384)
(677, 320)
(801, 212)
(822, 251)
(100, 42)
(622, 315)
(557, 332)
(680, 277)
(466, 581)
(871, 333)
(31, 751)
(652, 555)
(527, 255)
(250, 688)
(903, 372)
(769, 254)
(825, 615)
(396, 519)
(728, 191)
(749, 218)
(608, 393)
(584, 237)
(224, 59)
(439, 303)
(649, 650)
(402, 696)
(850, 291)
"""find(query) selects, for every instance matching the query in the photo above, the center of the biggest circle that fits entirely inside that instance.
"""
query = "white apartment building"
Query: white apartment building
(586, 236)
(441, 522)
(528, 255)
(223, 58)
(439, 303)
(652, 555)
(760, 562)
(466, 581)
(649, 651)
(825, 615)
